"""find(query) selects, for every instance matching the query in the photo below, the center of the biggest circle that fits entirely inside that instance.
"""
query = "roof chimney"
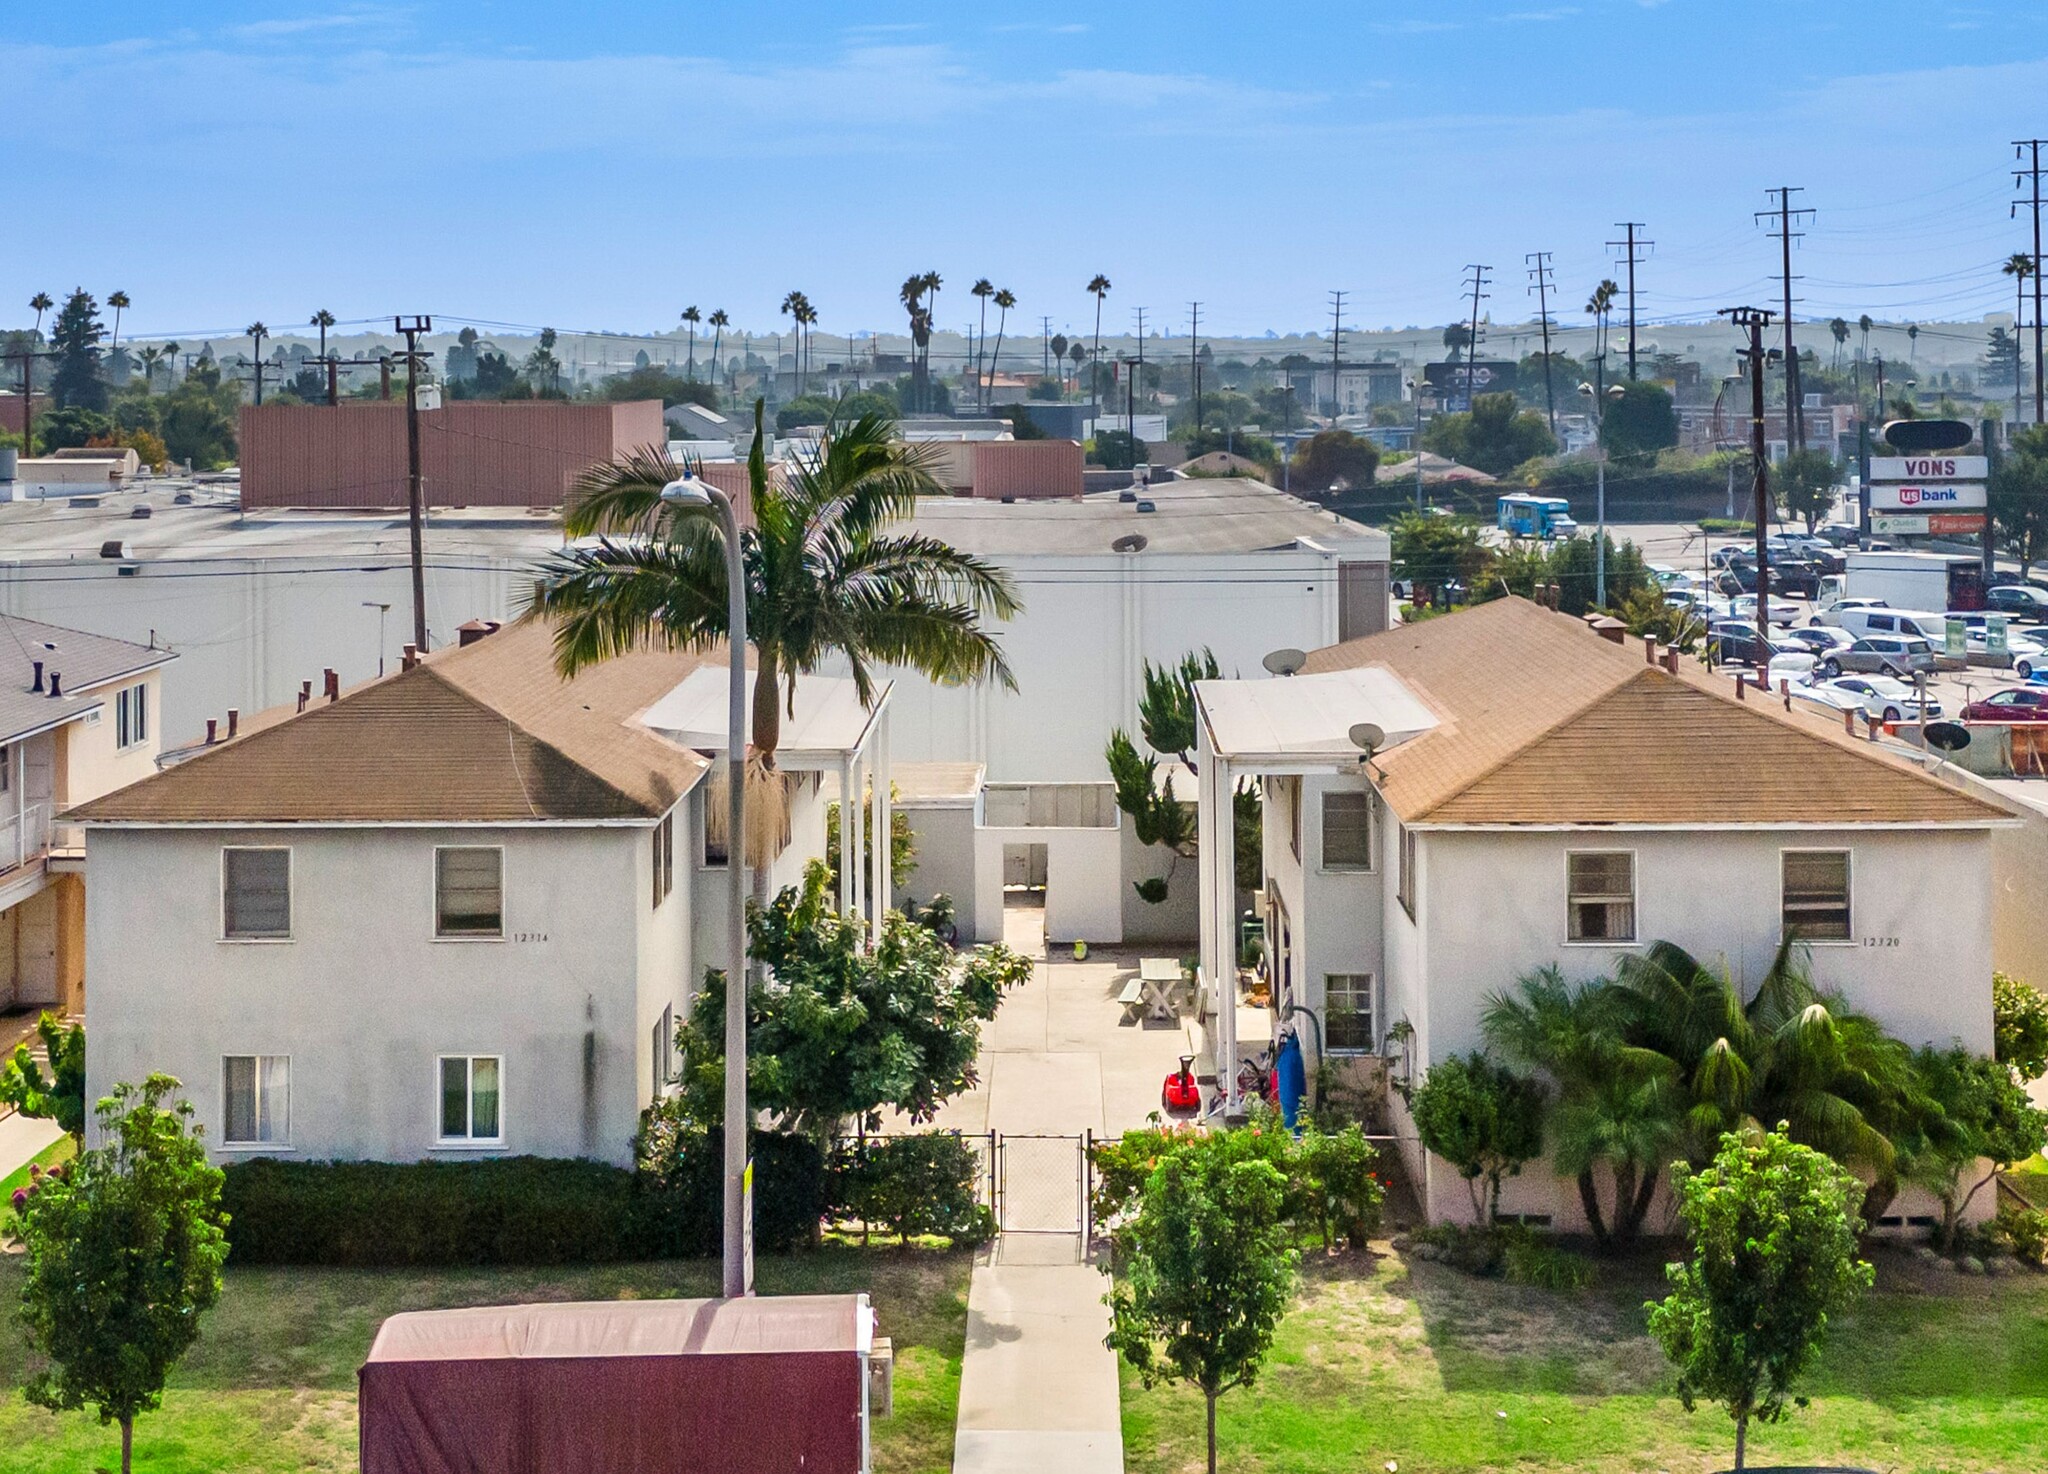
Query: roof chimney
(211, 732)
(305, 694)
(56, 685)
(37, 683)
(1649, 649)
(1671, 659)
(330, 683)
(1742, 685)
(234, 721)
(1849, 720)
(1785, 690)
(469, 632)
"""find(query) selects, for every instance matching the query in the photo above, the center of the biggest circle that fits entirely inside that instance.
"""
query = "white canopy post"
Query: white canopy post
(1216, 835)
(847, 861)
(853, 834)
(879, 748)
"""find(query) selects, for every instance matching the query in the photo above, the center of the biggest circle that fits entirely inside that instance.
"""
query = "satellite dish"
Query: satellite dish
(1368, 737)
(1948, 736)
(1920, 437)
(1284, 662)
(1130, 542)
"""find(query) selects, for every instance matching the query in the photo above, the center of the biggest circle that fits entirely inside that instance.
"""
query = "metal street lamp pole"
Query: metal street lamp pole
(738, 1254)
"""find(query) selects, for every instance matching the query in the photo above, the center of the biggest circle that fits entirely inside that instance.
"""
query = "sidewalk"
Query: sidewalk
(1038, 1389)
(22, 1139)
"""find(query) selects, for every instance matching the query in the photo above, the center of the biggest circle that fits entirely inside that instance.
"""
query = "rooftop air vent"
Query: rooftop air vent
(142, 510)
(113, 548)
(1130, 542)
(1148, 506)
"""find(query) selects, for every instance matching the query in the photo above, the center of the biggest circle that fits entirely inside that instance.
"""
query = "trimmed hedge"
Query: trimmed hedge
(923, 1183)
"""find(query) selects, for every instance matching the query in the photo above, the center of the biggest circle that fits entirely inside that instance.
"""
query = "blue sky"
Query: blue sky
(600, 165)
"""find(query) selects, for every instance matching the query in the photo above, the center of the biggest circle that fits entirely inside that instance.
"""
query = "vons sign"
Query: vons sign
(1929, 468)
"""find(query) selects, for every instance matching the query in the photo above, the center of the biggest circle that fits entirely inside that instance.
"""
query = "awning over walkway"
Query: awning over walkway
(828, 725)
(1299, 723)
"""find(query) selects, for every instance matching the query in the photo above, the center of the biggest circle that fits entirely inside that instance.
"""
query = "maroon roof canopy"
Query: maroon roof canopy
(618, 1387)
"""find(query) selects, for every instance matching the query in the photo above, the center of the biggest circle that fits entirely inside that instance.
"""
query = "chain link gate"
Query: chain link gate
(1041, 1183)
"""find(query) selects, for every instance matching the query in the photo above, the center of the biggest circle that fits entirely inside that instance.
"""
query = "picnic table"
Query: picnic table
(1158, 979)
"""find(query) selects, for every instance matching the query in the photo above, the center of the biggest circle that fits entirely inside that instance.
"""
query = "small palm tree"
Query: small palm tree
(1059, 357)
(1839, 330)
(149, 356)
(1863, 325)
(691, 317)
(1005, 300)
(719, 323)
(1099, 286)
(323, 320)
(1912, 341)
(42, 302)
(117, 301)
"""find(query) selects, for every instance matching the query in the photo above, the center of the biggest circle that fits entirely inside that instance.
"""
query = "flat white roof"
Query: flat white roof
(1290, 721)
(828, 725)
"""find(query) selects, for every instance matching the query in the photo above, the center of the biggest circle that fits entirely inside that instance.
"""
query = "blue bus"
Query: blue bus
(1522, 515)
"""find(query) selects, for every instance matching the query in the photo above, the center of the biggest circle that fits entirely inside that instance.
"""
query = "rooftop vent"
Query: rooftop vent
(1130, 542)
(113, 547)
(1148, 506)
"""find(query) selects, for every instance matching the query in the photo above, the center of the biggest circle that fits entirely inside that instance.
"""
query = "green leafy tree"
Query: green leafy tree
(1984, 1115)
(1805, 484)
(1330, 456)
(199, 418)
(902, 841)
(1638, 422)
(844, 1032)
(2018, 496)
(123, 1258)
(1617, 1106)
(2019, 1025)
(1205, 1271)
(59, 1096)
(1118, 450)
(73, 425)
(1482, 1118)
(1495, 437)
(1432, 552)
(1166, 718)
(1773, 1227)
(75, 338)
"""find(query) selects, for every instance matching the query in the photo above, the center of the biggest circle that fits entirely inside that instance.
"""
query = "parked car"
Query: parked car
(2020, 704)
(1820, 638)
(1736, 642)
(1839, 534)
(1823, 694)
(2026, 656)
(1832, 613)
(1891, 655)
(2017, 598)
(1885, 697)
(1782, 611)
(1930, 627)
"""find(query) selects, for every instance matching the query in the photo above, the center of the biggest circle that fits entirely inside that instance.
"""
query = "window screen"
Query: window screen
(1347, 830)
(1817, 894)
(1602, 905)
(469, 892)
(256, 892)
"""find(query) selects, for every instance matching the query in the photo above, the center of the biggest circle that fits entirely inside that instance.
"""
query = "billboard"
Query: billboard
(1916, 496)
(1489, 376)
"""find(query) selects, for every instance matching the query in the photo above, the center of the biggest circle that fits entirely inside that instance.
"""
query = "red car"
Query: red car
(2020, 704)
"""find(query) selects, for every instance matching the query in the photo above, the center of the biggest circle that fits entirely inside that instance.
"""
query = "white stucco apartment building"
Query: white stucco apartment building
(457, 910)
(1542, 796)
(80, 716)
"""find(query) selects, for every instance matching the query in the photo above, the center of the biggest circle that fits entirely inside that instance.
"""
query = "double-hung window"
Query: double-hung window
(256, 1093)
(1347, 829)
(662, 852)
(256, 893)
(471, 1100)
(469, 891)
(131, 716)
(1405, 884)
(1816, 894)
(664, 1050)
(1350, 1022)
(1601, 901)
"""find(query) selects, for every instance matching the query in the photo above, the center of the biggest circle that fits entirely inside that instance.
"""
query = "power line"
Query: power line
(1786, 216)
(1630, 246)
(2030, 149)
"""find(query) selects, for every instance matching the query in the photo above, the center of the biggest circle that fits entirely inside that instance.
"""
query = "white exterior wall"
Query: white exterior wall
(944, 836)
(364, 998)
(93, 762)
(708, 885)
(1335, 917)
(1083, 877)
(1079, 648)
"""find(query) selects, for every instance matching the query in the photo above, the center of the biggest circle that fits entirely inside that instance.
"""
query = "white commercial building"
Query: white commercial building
(456, 910)
(1538, 796)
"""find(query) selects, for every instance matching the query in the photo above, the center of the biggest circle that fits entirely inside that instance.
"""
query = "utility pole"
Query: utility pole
(1477, 282)
(1786, 217)
(1138, 374)
(1336, 348)
(1540, 282)
(411, 328)
(1195, 358)
(1631, 245)
(26, 358)
(1044, 347)
(2030, 149)
(1753, 320)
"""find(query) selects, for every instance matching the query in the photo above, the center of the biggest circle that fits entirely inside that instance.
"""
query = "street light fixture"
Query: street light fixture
(692, 493)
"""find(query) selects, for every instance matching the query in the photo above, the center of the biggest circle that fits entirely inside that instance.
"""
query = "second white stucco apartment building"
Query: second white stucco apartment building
(457, 910)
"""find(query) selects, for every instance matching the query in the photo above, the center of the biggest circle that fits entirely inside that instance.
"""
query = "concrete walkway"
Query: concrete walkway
(1038, 1389)
(22, 1140)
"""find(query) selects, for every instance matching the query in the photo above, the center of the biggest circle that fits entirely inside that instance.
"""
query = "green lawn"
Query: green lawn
(2030, 1180)
(60, 1150)
(1420, 1366)
(271, 1384)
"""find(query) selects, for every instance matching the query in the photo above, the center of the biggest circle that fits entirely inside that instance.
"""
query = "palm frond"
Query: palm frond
(620, 596)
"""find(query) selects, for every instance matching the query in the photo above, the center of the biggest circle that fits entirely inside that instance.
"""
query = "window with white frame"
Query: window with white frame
(1350, 1013)
(1347, 829)
(662, 853)
(131, 716)
(469, 891)
(6, 768)
(1404, 890)
(664, 1050)
(471, 1099)
(256, 1095)
(1294, 800)
(1600, 902)
(256, 892)
(1816, 894)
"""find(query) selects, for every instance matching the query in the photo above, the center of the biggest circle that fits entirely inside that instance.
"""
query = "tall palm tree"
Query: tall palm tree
(1601, 306)
(323, 320)
(911, 295)
(719, 322)
(117, 301)
(1615, 1104)
(1912, 341)
(807, 315)
(790, 302)
(2019, 266)
(982, 289)
(691, 317)
(826, 579)
(1863, 325)
(1839, 330)
(1099, 286)
(1005, 300)
(42, 302)
(1058, 346)
(932, 282)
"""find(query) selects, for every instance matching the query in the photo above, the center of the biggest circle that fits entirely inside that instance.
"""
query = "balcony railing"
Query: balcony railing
(24, 837)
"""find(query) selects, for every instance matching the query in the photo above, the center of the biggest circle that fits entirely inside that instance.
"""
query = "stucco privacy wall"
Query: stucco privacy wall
(364, 998)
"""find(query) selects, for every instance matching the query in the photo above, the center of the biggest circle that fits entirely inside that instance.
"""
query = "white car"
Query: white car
(1824, 695)
(1885, 697)
(1832, 613)
(1743, 606)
